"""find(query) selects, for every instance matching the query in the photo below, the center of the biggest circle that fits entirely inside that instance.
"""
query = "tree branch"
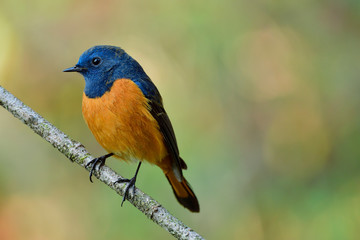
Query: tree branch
(77, 153)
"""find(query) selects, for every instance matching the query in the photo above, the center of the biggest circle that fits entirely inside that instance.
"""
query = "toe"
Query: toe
(122, 180)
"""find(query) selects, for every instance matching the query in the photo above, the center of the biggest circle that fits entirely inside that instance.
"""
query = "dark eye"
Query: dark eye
(96, 61)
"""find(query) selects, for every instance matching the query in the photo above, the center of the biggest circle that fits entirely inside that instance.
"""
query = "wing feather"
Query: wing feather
(159, 113)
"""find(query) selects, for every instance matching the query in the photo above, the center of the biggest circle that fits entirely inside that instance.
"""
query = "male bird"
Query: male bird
(124, 110)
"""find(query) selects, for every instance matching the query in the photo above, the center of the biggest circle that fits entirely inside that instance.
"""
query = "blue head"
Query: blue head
(102, 65)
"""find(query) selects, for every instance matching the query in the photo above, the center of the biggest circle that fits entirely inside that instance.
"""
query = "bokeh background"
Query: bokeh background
(263, 95)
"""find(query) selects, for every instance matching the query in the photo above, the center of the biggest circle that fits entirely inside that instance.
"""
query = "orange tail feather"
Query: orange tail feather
(183, 192)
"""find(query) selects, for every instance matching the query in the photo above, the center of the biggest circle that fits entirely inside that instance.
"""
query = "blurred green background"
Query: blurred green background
(263, 95)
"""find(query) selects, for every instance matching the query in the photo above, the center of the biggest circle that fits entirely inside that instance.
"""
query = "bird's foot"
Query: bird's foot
(129, 186)
(97, 161)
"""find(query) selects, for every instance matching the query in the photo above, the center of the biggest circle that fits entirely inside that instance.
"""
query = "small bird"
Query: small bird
(124, 111)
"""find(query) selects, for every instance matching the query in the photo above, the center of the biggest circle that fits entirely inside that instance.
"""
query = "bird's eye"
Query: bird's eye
(96, 61)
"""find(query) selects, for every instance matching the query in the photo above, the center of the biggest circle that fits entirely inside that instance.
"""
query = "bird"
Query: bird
(124, 111)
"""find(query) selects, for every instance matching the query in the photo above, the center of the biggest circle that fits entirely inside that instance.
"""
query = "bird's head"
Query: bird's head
(98, 62)
(102, 65)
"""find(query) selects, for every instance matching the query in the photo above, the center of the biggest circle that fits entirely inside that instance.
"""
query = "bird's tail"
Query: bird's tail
(183, 192)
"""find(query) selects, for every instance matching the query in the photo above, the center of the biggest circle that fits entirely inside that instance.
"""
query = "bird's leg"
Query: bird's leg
(96, 161)
(130, 185)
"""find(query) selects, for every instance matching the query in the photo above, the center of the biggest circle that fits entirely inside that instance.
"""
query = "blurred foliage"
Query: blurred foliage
(263, 96)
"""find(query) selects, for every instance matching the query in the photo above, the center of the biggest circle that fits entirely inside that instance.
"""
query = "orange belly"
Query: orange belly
(121, 122)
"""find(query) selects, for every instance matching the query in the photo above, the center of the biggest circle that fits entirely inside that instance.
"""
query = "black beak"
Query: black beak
(74, 69)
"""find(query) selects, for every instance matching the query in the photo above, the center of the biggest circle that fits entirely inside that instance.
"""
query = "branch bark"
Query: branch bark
(77, 153)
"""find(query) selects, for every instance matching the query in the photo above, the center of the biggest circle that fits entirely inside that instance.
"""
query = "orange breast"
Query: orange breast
(121, 122)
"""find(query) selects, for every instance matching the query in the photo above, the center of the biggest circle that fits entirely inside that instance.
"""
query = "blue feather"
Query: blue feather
(115, 64)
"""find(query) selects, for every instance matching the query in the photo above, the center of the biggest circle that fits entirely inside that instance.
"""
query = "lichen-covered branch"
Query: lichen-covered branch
(77, 153)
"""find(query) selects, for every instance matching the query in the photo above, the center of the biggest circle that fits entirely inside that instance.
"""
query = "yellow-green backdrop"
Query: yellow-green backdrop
(264, 97)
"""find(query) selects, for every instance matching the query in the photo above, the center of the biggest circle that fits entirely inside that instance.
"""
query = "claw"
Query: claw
(97, 161)
(130, 184)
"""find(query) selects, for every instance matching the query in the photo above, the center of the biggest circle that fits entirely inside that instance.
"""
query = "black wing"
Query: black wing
(159, 113)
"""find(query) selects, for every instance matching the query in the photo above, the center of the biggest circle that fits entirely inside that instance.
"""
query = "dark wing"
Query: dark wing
(158, 112)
